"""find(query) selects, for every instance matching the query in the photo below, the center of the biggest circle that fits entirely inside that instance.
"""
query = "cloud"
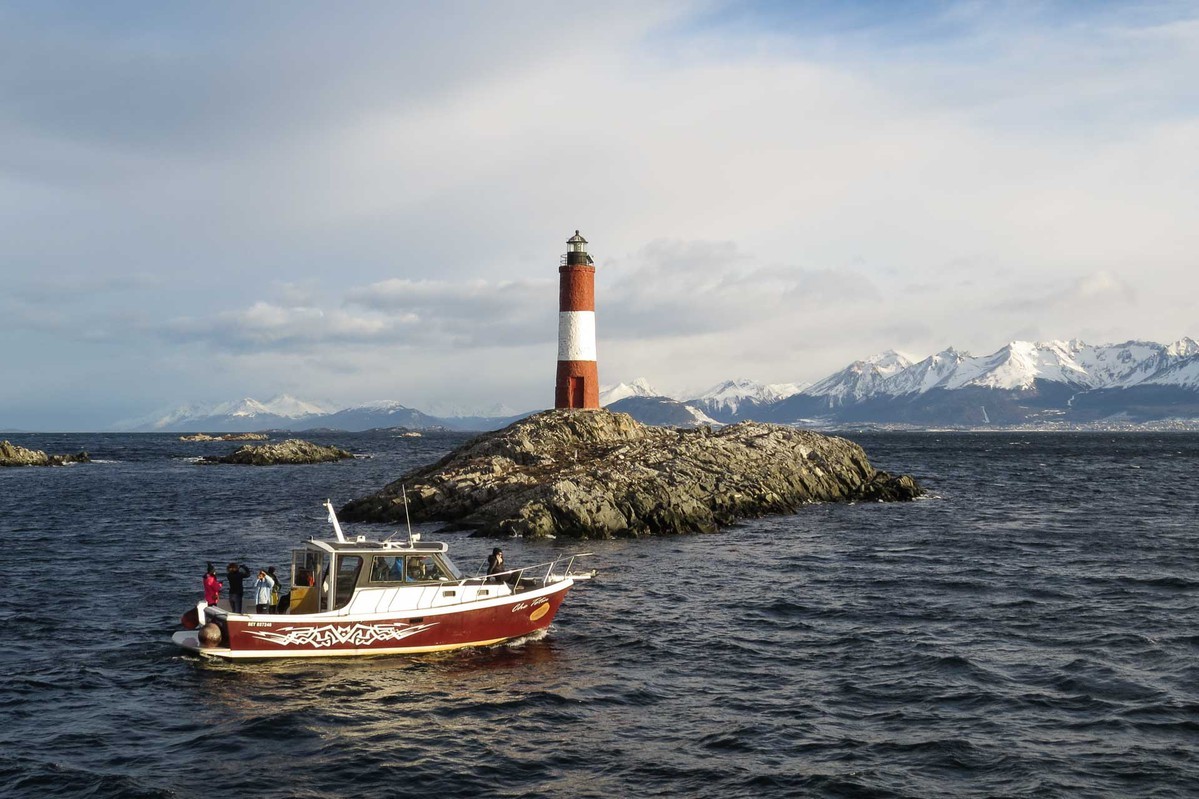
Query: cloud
(770, 189)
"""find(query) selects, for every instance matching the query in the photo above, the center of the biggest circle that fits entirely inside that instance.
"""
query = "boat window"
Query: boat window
(304, 567)
(450, 568)
(387, 569)
(422, 568)
(348, 567)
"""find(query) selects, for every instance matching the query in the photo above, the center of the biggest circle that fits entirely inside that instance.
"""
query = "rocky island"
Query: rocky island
(293, 450)
(599, 474)
(225, 437)
(13, 455)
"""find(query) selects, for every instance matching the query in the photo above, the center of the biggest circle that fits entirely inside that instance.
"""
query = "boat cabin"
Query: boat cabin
(326, 574)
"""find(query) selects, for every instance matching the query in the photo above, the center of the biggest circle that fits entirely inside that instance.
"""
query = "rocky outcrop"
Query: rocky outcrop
(293, 450)
(598, 474)
(225, 437)
(12, 455)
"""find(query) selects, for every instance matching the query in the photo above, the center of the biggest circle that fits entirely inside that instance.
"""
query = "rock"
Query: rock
(599, 474)
(225, 437)
(293, 450)
(13, 455)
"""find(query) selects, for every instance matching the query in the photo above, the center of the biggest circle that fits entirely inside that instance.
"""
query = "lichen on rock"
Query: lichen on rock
(598, 474)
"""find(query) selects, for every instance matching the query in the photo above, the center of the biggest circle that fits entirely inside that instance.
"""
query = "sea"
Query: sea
(1031, 628)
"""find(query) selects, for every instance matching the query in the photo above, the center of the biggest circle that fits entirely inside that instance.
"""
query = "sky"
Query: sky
(364, 201)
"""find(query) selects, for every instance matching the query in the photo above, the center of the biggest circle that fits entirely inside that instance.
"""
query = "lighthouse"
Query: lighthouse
(578, 379)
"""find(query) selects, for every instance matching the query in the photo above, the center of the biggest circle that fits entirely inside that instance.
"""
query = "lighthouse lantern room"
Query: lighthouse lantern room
(577, 385)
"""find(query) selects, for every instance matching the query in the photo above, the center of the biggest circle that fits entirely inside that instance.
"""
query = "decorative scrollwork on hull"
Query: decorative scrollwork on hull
(329, 635)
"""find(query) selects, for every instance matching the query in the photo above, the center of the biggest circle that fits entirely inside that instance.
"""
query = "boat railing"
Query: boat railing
(546, 578)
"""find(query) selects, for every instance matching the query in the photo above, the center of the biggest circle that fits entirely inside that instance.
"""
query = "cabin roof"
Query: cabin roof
(377, 547)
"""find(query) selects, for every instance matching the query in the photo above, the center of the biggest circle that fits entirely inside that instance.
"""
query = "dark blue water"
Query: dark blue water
(1030, 631)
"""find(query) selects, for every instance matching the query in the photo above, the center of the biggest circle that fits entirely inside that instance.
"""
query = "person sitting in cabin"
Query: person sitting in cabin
(262, 592)
(236, 574)
(212, 586)
(418, 570)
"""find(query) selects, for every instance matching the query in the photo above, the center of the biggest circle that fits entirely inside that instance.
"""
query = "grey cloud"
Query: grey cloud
(1085, 292)
(688, 288)
(56, 292)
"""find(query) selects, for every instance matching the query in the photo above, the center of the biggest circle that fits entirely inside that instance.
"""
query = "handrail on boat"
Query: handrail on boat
(549, 570)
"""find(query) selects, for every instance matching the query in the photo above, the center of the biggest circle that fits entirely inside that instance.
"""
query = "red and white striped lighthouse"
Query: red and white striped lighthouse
(578, 378)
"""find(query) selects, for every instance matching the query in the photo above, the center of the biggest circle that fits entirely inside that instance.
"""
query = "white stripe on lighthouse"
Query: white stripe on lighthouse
(576, 335)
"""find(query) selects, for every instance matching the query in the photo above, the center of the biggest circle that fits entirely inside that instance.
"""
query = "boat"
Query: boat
(362, 598)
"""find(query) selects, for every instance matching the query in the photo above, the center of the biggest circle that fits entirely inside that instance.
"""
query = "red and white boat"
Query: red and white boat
(360, 597)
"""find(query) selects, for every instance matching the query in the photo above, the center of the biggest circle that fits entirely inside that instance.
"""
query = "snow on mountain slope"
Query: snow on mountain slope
(730, 394)
(243, 411)
(860, 379)
(1123, 365)
(638, 388)
(1185, 347)
(1183, 373)
(378, 406)
(928, 374)
(1019, 364)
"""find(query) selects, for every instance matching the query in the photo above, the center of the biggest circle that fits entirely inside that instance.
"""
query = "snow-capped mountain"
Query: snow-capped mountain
(371, 415)
(742, 397)
(860, 379)
(234, 416)
(662, 411)
(1022, 381)
(638, 388)
(730, 394)
(1060, 381)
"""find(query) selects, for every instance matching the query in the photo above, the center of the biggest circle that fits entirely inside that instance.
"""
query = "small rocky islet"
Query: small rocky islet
(14, 455)
(291, 451)
(225, 437)
(600, 474)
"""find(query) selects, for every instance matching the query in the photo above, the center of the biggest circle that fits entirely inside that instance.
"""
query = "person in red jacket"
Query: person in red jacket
(212, 586)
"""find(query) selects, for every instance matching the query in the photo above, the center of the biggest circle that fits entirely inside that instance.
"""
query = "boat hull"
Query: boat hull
(264, 636)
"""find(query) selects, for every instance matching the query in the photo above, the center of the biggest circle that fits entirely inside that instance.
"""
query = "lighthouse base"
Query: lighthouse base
(577, 385)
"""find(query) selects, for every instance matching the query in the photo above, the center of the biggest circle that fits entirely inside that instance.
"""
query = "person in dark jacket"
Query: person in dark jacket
(495, 563)
(236, 574)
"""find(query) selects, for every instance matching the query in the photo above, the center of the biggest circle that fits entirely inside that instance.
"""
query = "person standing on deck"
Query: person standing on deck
(276, 591)
(262, 592)
(236, 574)
(212, 586)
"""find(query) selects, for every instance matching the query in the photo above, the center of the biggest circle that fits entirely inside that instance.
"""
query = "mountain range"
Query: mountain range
(1053, 382)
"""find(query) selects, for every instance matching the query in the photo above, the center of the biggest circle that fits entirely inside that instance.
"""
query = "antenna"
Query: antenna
(333, 520)
(412, 537)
